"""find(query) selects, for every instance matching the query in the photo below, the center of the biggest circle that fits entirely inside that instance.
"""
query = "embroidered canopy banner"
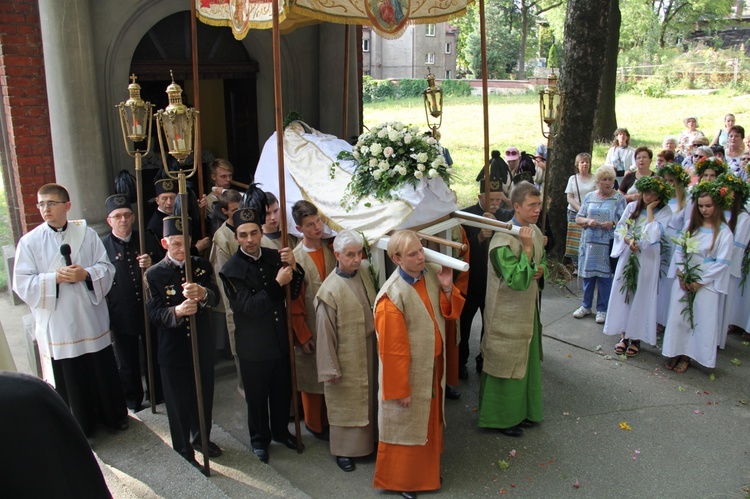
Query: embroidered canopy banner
(389, 18)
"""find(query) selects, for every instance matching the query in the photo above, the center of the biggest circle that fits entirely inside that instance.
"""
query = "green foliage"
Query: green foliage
(368, 88)
(545, 41)
(651, 87)
(553, 61)
(502, 51)
(376, 90)
(411, 87)
(457, 88)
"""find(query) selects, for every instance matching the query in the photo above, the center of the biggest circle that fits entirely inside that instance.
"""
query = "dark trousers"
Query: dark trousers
(128, 356)
(90, 386)
(268, 385)
(471, 306)
(182, 404)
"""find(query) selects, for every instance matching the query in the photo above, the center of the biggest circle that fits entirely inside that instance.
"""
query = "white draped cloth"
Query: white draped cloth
(74, 320)
(308, 159)
(637, 319)
(680, 219)
(714, 259)
(737, 302)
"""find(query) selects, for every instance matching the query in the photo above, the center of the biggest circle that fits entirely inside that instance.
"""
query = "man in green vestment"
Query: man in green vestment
(510, 396)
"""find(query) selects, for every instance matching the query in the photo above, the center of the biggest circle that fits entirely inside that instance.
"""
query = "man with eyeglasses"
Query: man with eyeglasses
(63, 274)
(125, 298)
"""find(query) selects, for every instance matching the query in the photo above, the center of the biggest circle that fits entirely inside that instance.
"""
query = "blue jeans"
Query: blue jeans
(604, 285)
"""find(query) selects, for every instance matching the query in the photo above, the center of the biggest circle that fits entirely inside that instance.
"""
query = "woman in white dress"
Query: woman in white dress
(737, 301)
(632, 308)
(679, 179)
(710, 252)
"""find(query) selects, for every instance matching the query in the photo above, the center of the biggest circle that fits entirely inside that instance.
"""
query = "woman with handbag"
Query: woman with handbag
(579, 185)
(598, 215)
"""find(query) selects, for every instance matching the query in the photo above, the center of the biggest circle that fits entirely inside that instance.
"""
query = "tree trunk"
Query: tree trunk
(524, 34)
(605, 119)
(584, 48)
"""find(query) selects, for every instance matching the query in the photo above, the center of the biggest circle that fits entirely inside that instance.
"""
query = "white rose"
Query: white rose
(364, 149)
(437, 163)
(383, 165)
(407, 138)
(414, 129)
(388, 152)
(355, 154)
(382, 133)
(449, 170)
(373, 162)
(431, 141)
(398, 126)
(376, 148)
(376, 174)
(432, 173)
(420, 167)
(393, 136)
(419, 173)
(422, 157)
(402, 170)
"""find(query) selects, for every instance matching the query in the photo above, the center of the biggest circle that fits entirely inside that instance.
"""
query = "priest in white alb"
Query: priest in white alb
(63, 274)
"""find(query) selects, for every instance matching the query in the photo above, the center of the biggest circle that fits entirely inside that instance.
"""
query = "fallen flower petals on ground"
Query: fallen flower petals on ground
(625, 426)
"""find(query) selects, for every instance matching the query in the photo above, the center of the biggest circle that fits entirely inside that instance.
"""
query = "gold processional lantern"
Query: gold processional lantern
(135, 119)
(178, 123)
(550, 106)
(433, 103)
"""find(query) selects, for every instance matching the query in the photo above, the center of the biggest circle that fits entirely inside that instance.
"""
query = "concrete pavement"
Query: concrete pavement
(687, 436)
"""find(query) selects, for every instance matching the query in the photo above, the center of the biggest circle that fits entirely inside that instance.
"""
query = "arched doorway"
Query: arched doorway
(229, 117)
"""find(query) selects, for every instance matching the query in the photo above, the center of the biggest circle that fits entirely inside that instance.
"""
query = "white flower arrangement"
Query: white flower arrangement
(388, 156)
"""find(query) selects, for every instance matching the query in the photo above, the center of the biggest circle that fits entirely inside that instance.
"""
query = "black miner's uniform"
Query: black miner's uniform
(165, 281)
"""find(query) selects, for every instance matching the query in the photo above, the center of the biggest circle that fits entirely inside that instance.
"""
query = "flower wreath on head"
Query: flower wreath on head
(721, 194)
(677, 171)
(655, 184)
(739, 187)
(714, 164)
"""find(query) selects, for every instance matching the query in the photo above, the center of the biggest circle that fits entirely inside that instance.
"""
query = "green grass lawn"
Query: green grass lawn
(514, 120)
(5, 235)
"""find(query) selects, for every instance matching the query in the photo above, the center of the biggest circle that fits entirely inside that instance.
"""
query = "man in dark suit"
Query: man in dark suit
(125, 300)
(479, 240)
(171, 301)
(254, 280)
(166, 194)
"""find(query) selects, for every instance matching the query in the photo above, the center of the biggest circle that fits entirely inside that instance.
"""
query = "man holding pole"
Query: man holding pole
(510, 396)
(410, 313)
(254, 280)
(171, 301)
(125, 300)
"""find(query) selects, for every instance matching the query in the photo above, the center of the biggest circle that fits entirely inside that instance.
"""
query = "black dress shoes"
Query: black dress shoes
(463, 373)
(324, 435)
(261, 454)
(527, 423)
(409, 495)
(345, 463)
(451, 393)
(513, 431)
(122, 424)
(290, 442)
(213, 449)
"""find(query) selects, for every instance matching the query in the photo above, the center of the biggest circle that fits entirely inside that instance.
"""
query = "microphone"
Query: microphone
(65, 252)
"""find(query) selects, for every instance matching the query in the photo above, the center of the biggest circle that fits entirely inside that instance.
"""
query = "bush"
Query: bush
(651, 87)
(377, 90)
(411, 87)
(368, 88)
(458, 88)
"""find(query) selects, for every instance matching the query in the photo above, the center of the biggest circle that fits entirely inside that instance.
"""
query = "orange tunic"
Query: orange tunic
(313, 404)
(411, 467)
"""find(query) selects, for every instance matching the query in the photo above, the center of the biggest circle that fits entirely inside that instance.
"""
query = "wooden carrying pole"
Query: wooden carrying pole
(344, 113)
(282, 203)
(144, 284)
(197, 147)
(485, 101)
